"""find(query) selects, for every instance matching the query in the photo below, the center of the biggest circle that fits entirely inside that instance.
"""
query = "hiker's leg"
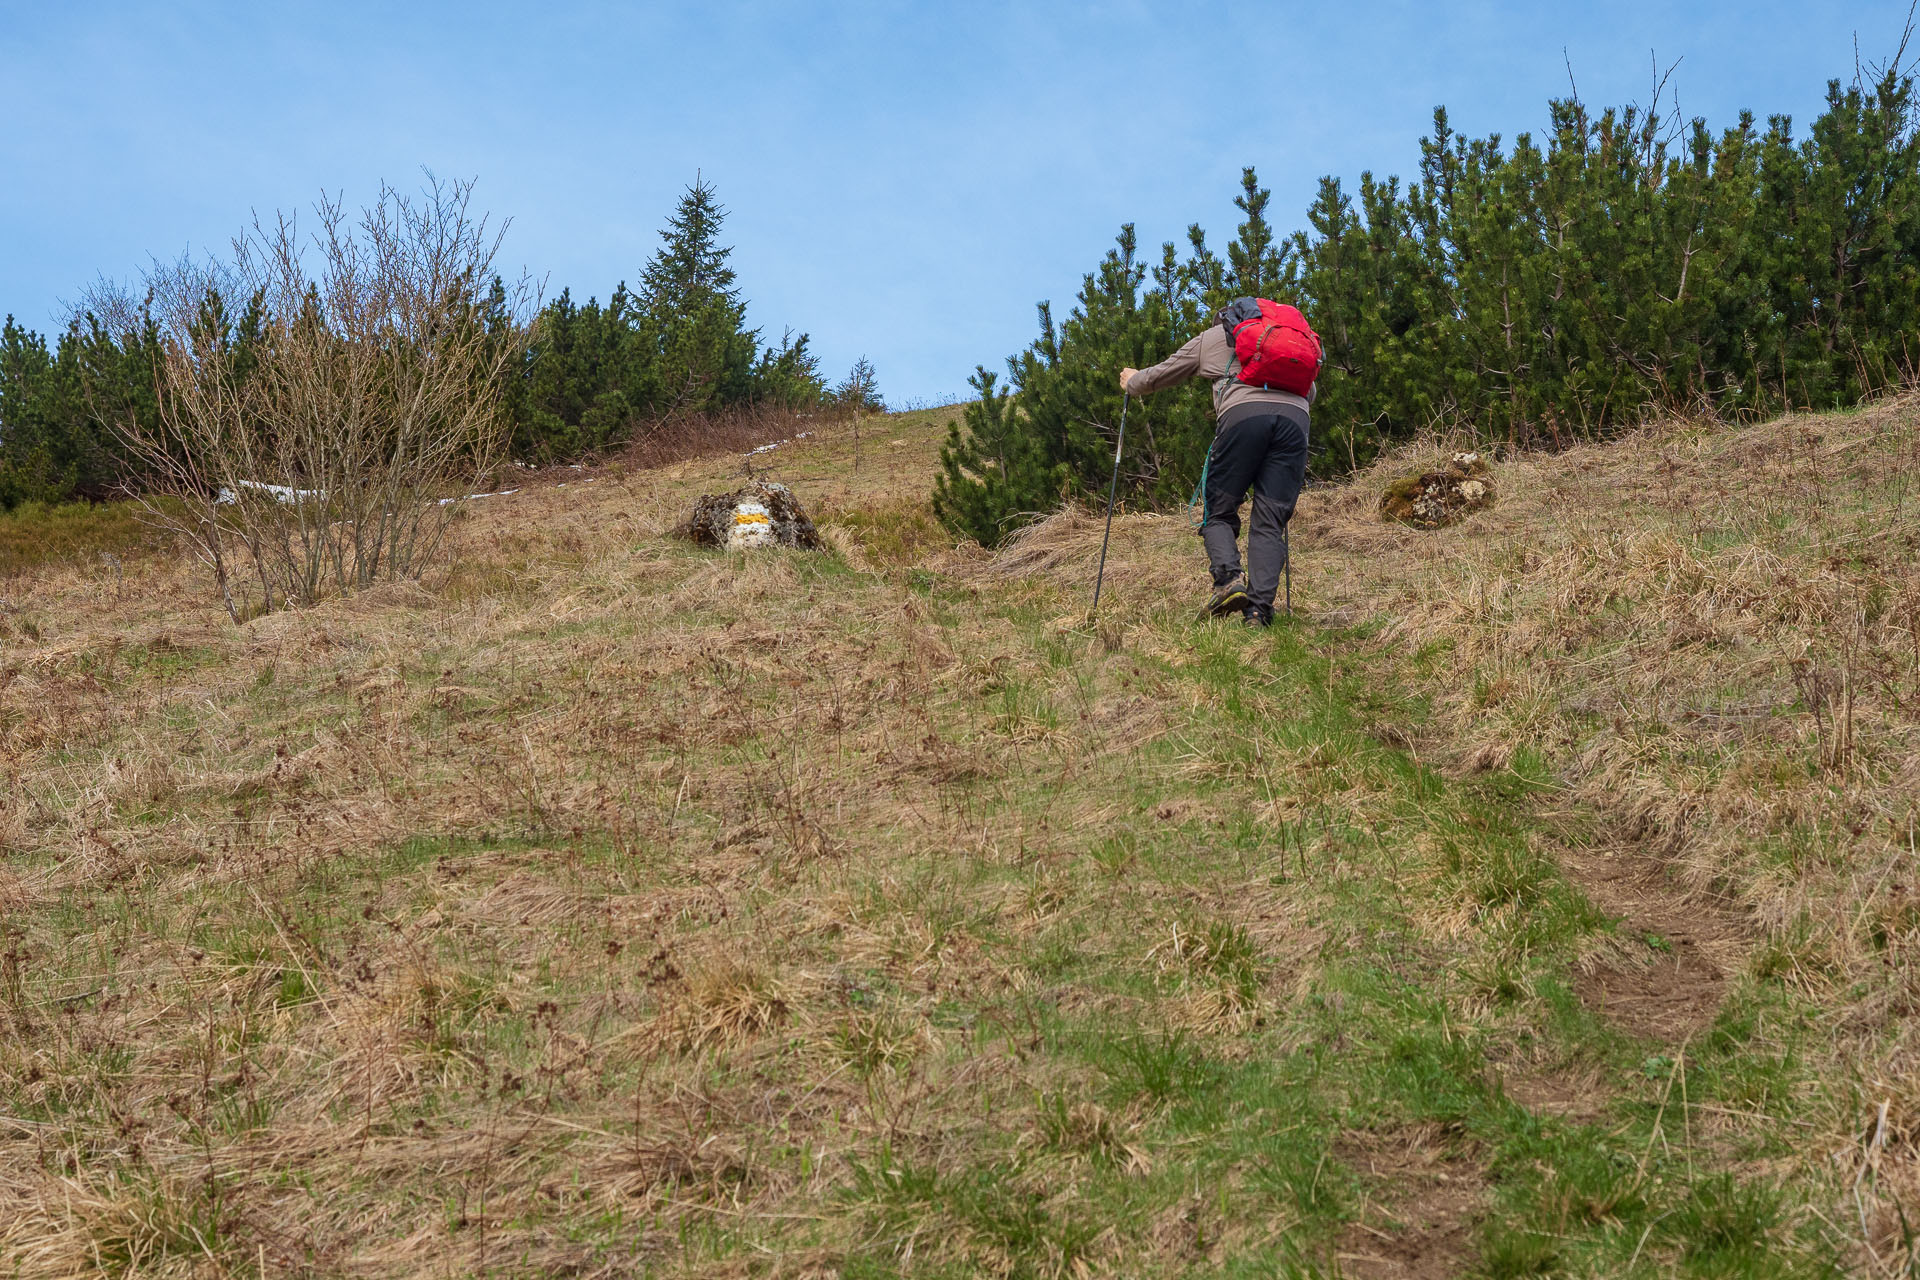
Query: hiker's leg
(1276, 490)
(1238, 454)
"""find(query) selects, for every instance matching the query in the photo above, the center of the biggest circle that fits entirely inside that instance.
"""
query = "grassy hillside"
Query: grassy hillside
(1542, 900)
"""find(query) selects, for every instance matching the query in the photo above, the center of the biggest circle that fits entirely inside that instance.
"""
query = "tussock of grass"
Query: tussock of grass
(609, 906)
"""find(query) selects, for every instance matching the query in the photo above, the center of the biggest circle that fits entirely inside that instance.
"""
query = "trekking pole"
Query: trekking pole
(1112, 489)
(1286, 559)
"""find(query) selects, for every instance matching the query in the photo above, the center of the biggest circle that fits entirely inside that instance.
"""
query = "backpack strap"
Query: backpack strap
(1232, 375)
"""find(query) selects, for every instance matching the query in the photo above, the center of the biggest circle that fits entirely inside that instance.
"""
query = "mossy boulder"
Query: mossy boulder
(1435, 499)
(762, 514)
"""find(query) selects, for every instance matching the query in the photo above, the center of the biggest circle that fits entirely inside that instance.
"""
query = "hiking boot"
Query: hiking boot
(1231, 598)
(1254, 616)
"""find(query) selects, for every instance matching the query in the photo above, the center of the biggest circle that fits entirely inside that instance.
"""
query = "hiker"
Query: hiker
(1263, 360)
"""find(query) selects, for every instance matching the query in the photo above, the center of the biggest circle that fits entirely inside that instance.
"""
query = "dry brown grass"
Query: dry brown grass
(679, 437)
(599, 714)
(601, 900)
(1712, 638)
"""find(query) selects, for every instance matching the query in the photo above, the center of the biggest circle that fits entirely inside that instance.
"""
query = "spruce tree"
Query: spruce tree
(706, 354)
(678, 346)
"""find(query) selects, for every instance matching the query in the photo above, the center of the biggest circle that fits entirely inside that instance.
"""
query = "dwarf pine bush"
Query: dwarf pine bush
(1560, 288)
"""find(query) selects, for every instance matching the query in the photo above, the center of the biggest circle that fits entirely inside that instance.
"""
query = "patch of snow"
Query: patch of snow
(278, 492)
(475, 497)
(777, 443)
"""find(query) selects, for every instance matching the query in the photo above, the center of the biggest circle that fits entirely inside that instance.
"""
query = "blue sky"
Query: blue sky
(905, 179)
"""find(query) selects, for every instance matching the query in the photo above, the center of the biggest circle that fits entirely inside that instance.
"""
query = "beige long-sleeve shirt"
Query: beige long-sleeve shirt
(1207, 355)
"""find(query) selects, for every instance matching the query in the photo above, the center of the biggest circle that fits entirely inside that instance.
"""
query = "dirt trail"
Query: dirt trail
(1700, 943)
(1580, 1098)
(1425, 1226)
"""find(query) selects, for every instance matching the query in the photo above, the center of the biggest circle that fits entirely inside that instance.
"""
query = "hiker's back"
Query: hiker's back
(1233, 399)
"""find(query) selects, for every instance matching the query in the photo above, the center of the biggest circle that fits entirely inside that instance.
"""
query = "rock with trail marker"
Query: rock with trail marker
(1434, 499)
(762, 514)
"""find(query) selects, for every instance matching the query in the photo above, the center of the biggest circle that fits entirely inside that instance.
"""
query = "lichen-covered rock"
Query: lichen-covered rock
(762, 514)
(1434, 499)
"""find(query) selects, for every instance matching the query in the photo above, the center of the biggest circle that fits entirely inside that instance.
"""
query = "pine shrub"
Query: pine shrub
(1562, 288)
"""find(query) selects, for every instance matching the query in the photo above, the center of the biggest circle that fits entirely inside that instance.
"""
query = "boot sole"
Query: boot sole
(1233, 602)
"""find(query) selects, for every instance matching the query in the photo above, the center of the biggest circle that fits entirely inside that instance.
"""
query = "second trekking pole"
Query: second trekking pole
(1113, 488)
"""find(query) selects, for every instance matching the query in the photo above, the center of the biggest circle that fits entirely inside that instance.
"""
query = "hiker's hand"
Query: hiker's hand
(1126, 375)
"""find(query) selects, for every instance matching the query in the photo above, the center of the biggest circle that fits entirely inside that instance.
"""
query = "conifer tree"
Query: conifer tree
(37, 416)
(1557, 288)
(789, 375)
(116, 375)
(1021, 454)
(592, 373)
(859, 391)
(995, 471)
(706, 354)
(1255, 260)
(61, 408)
(580, 387)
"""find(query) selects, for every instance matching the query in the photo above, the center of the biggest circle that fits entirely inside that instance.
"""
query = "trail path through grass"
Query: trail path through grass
(613, 907)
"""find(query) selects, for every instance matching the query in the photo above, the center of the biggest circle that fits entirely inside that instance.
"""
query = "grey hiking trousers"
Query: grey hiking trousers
(1266, 453)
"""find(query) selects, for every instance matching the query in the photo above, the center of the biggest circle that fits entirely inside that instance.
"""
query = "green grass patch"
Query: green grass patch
(35, 534)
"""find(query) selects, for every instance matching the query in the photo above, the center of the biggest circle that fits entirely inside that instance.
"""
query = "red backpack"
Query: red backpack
(1274, 345)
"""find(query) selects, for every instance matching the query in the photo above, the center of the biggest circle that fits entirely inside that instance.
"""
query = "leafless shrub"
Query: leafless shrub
(321, 396)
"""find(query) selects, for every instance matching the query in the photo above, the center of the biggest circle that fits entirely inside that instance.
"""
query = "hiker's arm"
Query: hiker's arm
(1172, 371)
